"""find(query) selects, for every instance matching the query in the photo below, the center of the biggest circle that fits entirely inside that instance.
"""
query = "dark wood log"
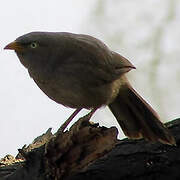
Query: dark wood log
(93, 153)
(138, 160)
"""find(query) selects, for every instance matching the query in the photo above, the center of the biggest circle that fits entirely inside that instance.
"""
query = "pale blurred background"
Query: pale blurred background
(145, 32)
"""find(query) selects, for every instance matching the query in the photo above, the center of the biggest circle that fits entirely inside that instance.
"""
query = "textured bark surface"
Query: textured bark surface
(138, 160)
(62, 155)
(74, 150)
(91, 152)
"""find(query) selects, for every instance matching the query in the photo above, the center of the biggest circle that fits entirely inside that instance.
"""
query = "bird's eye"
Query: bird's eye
(33, 45)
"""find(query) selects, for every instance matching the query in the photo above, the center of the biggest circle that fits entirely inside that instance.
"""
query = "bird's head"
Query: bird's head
(34, 49)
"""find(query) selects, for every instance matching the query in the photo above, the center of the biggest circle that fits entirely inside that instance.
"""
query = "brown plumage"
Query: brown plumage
(79, 71)
(137, 118)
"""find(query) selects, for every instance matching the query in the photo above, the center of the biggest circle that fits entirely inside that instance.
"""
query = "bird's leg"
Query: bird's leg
(91, 113)
(66, 123)
(84, 121)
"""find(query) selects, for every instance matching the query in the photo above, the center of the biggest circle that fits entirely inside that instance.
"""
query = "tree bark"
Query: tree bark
(93, 153)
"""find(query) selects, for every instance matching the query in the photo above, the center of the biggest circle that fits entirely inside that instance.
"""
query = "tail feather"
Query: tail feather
(137, 118)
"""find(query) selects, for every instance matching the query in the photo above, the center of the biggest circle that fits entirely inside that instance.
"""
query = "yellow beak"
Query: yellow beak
(14, 46)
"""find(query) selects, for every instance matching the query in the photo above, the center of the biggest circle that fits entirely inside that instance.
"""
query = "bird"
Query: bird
(80, 71)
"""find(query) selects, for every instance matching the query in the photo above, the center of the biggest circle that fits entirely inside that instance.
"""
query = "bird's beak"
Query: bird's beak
(14, 46)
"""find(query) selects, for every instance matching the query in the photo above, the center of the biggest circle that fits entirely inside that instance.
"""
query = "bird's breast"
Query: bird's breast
(72, 93)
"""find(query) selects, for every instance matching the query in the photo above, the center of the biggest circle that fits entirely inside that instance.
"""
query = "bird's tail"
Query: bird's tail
(137, 118)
